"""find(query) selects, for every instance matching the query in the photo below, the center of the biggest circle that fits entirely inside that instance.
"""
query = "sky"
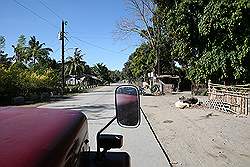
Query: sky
(90, 27)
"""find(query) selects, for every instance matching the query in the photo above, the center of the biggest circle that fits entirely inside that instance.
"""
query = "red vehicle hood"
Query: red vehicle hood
(32, 137)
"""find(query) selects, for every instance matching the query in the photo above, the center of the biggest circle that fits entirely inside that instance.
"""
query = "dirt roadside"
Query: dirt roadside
(199, 137)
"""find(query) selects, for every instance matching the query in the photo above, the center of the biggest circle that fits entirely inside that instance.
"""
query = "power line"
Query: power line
(74, 42)
(70, 28)
(46, 6)
(86, 42)
(66, 43)
(34, 13)
(94, 45)
(53, 11)
(57, 50)
(58, 16)
(54, 53)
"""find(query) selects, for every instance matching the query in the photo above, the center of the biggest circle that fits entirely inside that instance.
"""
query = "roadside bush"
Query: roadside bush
(18, 80)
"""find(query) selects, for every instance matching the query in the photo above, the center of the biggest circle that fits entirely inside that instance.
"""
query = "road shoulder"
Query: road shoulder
(198, 136)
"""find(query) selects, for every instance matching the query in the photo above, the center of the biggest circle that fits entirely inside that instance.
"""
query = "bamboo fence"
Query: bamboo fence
(232, 99)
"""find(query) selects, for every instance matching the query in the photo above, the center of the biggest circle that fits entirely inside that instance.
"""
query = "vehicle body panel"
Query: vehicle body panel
(41, 137)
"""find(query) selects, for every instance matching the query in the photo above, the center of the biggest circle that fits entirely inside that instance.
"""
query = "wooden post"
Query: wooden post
(209, 89)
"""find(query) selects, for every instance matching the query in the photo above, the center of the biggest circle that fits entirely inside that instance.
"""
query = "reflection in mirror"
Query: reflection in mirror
(127, 106)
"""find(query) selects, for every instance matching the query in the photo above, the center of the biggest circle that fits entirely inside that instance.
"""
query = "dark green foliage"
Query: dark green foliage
(35, 51)
(33, 75)
(142, 61)
(102, 72)
(19, 49)
(29, 80)
(18, 80)
(4, 60)
(115, 76)
(127, 73)
(209, 39)
(75, 64)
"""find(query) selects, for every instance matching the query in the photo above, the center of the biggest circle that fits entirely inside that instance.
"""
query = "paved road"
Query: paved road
(99, 108)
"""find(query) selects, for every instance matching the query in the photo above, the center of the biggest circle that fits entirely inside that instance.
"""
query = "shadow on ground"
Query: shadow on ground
(94, 108)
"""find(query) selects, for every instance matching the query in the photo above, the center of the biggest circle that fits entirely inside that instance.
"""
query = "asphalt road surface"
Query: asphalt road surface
(99, 108)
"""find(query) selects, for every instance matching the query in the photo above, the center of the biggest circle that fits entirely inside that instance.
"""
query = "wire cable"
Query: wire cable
(37, 15)
(52, 11)
(53, 25)
(94, 45)
(75, 43)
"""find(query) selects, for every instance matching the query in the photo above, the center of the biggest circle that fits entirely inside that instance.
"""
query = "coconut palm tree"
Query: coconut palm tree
(75, 64)
(19, 50)
(35, 51)
(102, 72)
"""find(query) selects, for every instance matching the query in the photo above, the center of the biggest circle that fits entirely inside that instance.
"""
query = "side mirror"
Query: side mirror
(127, 104)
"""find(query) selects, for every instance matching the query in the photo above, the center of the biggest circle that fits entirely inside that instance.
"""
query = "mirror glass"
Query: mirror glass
(127, 102)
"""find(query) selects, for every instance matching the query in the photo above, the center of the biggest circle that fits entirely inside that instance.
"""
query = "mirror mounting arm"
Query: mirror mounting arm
(98, 136)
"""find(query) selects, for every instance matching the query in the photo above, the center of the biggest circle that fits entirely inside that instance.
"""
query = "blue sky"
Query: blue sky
(91, 21)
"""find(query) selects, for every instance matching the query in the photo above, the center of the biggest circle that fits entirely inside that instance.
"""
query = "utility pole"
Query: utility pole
(62, 38)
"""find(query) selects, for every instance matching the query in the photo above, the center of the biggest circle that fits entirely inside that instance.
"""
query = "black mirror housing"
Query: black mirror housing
(127, 104)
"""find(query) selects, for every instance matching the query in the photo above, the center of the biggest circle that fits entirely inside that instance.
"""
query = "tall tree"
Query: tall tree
(115, 76)
(19, 49)
(75, 64)
(210, 39)
(102, 72)
(2, 42)
(147, 23)
(127, 72)
(142, 62)
(36, 52)
(3, 56)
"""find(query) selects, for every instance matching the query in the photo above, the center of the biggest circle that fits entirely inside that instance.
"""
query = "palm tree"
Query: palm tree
(75, 64)
(19, 50)
(102, 72)
(35, 50)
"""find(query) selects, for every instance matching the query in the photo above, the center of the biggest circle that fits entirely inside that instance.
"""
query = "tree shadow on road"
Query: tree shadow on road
(96, 108)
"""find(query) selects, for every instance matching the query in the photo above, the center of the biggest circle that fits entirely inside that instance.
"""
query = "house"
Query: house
(85, 79)
(167, 83)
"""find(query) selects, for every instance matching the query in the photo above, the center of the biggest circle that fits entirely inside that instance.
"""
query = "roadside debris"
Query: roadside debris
(181, 104)
(184, 102)
(144, 91)
(191, 100)
(241, 116)
(209, 115)
(168, 121)
(174, 162)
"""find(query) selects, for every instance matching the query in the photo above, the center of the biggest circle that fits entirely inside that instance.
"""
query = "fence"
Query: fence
(232, 99)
